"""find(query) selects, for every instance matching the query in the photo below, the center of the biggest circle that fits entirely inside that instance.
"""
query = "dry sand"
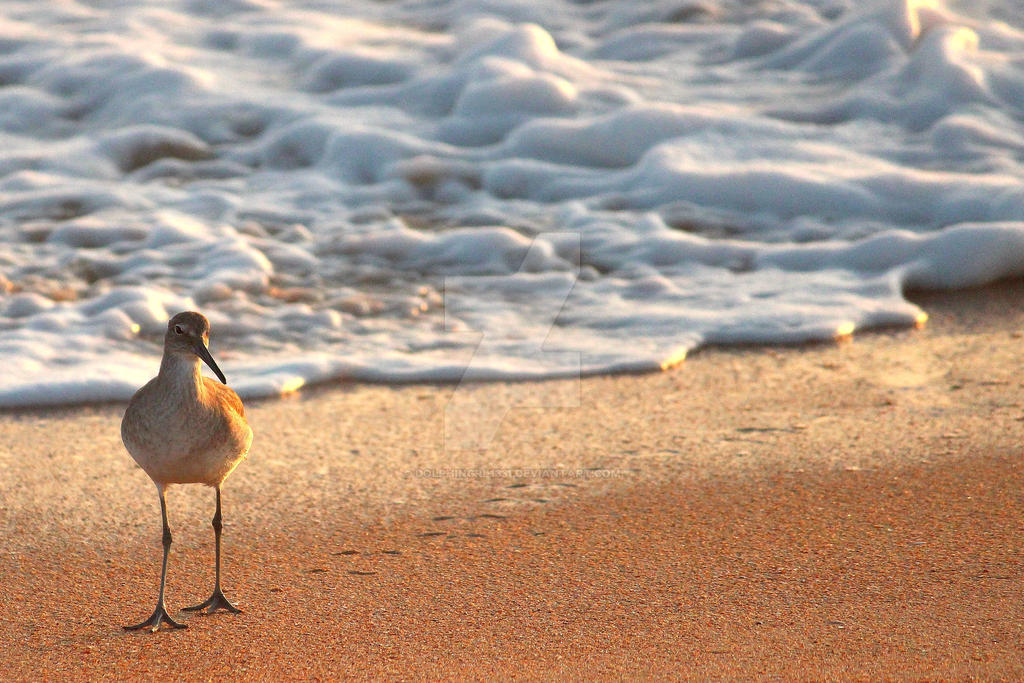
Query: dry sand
(847, 511)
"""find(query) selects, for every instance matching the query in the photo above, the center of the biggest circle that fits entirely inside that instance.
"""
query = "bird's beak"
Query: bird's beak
(204, 353)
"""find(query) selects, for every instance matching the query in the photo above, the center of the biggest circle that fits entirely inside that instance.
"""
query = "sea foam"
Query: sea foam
(438, 190)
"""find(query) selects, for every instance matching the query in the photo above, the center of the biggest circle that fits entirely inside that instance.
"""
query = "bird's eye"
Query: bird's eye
(178, 330)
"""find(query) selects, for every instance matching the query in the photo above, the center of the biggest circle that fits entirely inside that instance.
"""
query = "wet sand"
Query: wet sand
(843, 511)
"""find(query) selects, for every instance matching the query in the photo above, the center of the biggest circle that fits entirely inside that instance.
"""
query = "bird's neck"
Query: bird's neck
(183, 372)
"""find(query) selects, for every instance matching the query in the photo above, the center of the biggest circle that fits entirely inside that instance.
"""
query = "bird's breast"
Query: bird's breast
(184, 441)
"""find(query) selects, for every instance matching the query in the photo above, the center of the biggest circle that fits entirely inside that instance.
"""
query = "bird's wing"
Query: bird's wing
(225, 394)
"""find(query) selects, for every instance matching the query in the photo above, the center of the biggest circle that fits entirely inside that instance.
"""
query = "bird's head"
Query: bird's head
(188, 334)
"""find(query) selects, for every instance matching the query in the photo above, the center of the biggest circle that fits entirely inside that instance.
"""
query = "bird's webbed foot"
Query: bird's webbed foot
(159, 616)
(215, 602)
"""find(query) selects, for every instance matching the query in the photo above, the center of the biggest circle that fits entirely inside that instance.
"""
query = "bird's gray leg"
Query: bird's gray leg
(160, 614)
(217, 600)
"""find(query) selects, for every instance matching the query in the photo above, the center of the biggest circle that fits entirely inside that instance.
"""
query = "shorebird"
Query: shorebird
(184, 428)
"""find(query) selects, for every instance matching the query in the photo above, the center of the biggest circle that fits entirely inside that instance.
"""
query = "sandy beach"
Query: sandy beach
(846, 511)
